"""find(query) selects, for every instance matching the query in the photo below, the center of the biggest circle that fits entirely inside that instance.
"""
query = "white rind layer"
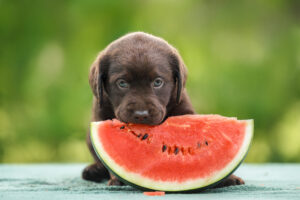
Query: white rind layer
(137, 179)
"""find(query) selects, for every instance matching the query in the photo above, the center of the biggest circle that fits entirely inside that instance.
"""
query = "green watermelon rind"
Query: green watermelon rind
(144, 183)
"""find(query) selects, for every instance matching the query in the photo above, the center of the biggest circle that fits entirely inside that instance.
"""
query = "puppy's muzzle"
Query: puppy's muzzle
(141, 115)
(138, 113)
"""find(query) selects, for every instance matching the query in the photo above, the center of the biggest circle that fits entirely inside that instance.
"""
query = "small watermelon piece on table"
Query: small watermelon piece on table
(189, 152)
(155, 193)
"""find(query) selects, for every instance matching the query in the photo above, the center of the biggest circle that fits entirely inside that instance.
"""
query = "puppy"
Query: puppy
(139, 78)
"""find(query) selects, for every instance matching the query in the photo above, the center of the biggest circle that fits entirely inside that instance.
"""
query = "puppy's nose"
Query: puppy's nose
(140, 115)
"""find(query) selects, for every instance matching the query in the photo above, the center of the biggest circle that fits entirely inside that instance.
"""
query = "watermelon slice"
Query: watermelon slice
(184, 153)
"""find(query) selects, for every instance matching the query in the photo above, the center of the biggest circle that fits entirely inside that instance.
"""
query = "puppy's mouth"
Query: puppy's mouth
(151, 119)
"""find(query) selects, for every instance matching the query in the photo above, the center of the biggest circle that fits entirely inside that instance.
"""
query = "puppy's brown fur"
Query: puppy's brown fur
(138, 60)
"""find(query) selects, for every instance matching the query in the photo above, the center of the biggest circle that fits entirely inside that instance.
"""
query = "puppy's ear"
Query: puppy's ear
(97, 76)
(179, 73)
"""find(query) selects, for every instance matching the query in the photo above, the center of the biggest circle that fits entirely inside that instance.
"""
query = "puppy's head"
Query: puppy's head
(141, 76)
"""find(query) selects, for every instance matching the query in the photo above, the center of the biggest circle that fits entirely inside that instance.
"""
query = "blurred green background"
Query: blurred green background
(243, 59)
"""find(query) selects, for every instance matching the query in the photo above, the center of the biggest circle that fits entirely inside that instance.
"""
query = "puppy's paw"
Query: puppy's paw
(115, 182)
(231, 180)
(95, 172)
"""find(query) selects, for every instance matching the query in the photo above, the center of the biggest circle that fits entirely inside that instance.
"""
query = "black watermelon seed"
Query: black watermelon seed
(206, 143)
(176, 150)
(164, 148)
(145, 136)
(132, 132)
(122, 127)
(139, 135)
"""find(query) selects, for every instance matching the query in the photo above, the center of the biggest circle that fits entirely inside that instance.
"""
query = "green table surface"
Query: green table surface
(63, 181)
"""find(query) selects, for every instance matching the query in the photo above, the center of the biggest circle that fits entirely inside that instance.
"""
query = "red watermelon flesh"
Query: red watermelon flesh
(185, 152)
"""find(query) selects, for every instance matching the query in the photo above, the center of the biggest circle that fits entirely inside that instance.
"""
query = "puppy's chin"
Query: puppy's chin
(156, 119)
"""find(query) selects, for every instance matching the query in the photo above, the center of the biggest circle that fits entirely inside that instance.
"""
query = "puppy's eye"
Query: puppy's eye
(122, 83)
(158, 82)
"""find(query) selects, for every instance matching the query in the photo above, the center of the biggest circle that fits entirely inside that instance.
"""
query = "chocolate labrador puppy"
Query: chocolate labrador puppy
(139, 78)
